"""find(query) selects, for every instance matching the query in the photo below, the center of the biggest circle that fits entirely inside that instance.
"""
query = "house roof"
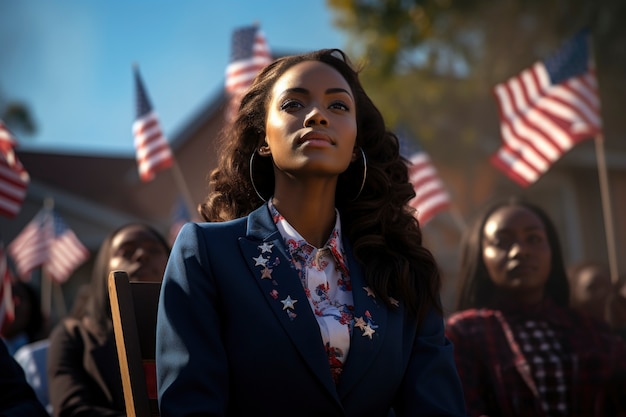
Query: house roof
(97, 192)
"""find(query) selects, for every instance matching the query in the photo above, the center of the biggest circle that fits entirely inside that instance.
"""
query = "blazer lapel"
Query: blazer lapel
(370, 315)
(270, 263)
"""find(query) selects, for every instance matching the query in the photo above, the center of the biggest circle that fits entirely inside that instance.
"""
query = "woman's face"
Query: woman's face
(137, 251)
(311, 123)
(516, 252)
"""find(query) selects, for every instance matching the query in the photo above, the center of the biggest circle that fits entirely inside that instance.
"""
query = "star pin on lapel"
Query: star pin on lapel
(368, 331)
(369, 292)
(359, 322)
(288, 303)
(259, 261)
(266, 247)
(266, 273)
(366, 324)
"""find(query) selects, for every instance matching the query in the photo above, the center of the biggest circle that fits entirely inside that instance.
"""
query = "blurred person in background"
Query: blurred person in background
(520, 349)
(590, 288)
(33, 356)
(83, 369)
(617, 308)
(28, 324)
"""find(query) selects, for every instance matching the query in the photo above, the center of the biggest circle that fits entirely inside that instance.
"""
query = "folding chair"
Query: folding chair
(134, 312)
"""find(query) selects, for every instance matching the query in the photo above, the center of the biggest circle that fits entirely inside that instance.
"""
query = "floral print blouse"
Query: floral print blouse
(326, 281)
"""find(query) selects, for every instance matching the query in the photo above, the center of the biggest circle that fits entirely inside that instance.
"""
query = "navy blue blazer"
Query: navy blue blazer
(229, 345)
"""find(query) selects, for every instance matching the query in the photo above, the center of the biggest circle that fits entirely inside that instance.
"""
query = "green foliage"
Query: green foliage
(432, 64)
(18, 117)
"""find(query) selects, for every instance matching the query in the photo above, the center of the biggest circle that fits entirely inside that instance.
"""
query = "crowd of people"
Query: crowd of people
(307, 289)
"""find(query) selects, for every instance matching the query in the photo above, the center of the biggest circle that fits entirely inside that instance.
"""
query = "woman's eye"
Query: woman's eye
(502, 243)
(127, 253)
(339, 105)
(290, 104)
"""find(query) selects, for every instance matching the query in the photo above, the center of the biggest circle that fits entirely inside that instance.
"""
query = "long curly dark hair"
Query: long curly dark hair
(475, 286)
(379, 224)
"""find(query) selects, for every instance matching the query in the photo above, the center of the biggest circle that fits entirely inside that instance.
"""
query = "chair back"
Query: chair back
(134, 311)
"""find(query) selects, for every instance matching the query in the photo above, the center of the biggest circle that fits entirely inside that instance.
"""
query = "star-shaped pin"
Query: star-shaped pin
(359, 322)
(266, 273)
(260, 260)
(369, 291)
(368, 331)
(288, 303)
(266, 247)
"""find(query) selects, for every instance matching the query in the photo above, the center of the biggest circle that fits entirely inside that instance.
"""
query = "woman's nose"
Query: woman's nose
(315, 117)
(141, 254)
(517, 249)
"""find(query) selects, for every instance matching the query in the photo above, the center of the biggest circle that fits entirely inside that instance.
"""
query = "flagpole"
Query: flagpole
(147, 117)
(46, 294)
(59, 299)
(606, 208)
(179, 179)
(46, 283)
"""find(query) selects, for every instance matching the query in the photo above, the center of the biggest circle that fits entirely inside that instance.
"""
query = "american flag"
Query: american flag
(13, 177)
(431, 197)
(250, 53)
(546, 110)
(180, 216)
(153, 150)
(48, 242)
(7, 309)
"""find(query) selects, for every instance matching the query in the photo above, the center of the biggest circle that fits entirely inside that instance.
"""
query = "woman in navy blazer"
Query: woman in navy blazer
(308, 291)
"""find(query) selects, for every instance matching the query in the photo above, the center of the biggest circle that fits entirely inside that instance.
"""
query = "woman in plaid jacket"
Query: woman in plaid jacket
(520, 350)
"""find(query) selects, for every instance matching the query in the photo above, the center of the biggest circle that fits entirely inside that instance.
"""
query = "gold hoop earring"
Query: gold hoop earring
(364, 175)
(252, 178)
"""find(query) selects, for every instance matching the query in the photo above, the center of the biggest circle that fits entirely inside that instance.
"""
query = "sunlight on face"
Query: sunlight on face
(516, 251)
(311, 123)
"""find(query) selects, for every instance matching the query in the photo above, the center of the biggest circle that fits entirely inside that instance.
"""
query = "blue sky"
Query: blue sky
(71, 61)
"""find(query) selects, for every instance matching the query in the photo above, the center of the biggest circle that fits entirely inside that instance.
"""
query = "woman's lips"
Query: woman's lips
(316, 138)
(519, 269)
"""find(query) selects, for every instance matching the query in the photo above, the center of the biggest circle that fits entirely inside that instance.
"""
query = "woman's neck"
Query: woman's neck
(515, 300)
(311, 212)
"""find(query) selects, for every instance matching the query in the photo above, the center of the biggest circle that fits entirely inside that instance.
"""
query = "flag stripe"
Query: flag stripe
(153, 152)
(13, 177)
(7, 308)
(47, 241)
(250, 53)
(540, 119)
(431, 197)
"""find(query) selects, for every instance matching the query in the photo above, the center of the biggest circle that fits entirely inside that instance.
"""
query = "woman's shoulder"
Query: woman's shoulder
(67, 326)
(213, 228)
(71, 328)
(472, 315)
(474, 321)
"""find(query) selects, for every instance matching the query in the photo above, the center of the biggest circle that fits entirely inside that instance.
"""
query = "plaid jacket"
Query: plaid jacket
(496, 376)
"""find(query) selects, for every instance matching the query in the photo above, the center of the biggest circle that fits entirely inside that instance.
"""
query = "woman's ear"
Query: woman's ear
(264, 150)
(355, 154)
